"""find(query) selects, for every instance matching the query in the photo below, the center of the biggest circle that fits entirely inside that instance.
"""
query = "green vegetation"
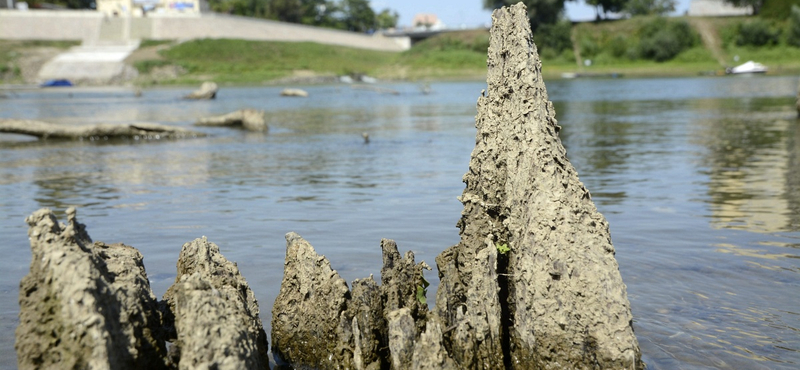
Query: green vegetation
(422, 291)
(13, 55)
(503, 248)
(146, 43)
(640, 46)
(249, 62)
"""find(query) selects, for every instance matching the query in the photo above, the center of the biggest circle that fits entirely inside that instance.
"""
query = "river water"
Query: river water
(698, 177)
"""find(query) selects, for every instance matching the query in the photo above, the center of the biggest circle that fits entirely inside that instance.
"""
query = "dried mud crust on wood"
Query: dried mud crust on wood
(85, 305)
(318, 322)
(248, 119)
(89, 305)
(562, 298)
(533, 283)
(208, 90)
(216, 314)
(143, 130)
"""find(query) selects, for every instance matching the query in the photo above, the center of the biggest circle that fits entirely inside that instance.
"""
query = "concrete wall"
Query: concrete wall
(227, 26)
(49, 25)
(92, 26)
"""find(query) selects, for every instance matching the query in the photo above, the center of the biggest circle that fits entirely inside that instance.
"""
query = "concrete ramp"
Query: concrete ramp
(96, 63)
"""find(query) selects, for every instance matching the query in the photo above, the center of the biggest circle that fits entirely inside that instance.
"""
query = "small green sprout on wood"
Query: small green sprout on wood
(502, 248)
(422, 291)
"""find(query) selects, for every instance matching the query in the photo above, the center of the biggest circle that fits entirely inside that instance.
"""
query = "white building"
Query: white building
(716, 8)
(140, 8)
(427, 22)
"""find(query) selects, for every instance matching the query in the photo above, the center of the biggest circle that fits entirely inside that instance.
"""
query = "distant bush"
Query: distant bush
(146, 66)
(662, 40)
(757, 33)
(777, 9)
(553, 39)
(618, 46)
(588, 46)
(793, 36)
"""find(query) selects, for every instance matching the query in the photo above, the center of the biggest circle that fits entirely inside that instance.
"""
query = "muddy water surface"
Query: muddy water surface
(699, 178)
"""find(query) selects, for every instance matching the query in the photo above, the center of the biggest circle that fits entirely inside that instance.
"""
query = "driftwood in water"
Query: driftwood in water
(47, 130)
(248, 119)
(208, 90)
(294, 92)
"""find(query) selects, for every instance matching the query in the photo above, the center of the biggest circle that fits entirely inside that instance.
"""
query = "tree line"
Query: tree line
(352, 15)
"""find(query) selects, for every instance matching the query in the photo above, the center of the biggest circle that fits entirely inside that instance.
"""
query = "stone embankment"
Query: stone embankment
(532, 284)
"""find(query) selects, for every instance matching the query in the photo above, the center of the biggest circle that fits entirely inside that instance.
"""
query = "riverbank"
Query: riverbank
(595, 49)
(608, 48)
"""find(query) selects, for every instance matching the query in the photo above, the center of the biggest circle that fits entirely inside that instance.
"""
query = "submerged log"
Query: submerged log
(300, 93)
(207, 91)
(248, 119)
(136, 131)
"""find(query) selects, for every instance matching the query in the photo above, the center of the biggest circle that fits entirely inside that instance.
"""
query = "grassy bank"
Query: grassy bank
(20, 60)
(257, 62)
(640, 46)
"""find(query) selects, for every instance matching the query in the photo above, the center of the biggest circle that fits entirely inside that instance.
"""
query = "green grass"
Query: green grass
(150, 42)
(254, 62)
(12, 50)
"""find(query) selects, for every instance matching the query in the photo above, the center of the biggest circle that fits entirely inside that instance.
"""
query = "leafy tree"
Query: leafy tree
(553, 39)
(386, 19)
(285, 10)
(358, 15)
(794, 27)
(757, 33)
(662, 40)
(756, 4)
(607, 6)
(539, 11)
(319, 13)
(649, 7)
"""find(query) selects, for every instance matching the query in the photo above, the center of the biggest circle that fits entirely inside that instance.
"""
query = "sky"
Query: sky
(470, 13)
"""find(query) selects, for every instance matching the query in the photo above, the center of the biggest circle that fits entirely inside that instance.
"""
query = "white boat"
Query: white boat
(749, 67)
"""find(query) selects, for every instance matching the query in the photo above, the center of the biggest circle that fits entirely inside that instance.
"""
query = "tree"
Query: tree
(386, 19)
(358, 15)
(539, 11)
(756, 4)
(649, 7)
(794, 27)
(608, 6)
(285, 10)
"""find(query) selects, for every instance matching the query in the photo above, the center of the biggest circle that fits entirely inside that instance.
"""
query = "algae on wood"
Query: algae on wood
(85, 305)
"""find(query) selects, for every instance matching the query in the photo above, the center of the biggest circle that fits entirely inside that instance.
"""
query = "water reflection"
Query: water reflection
(752, 165)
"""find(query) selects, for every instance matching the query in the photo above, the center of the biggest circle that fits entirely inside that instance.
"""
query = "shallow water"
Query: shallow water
(699, 178)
